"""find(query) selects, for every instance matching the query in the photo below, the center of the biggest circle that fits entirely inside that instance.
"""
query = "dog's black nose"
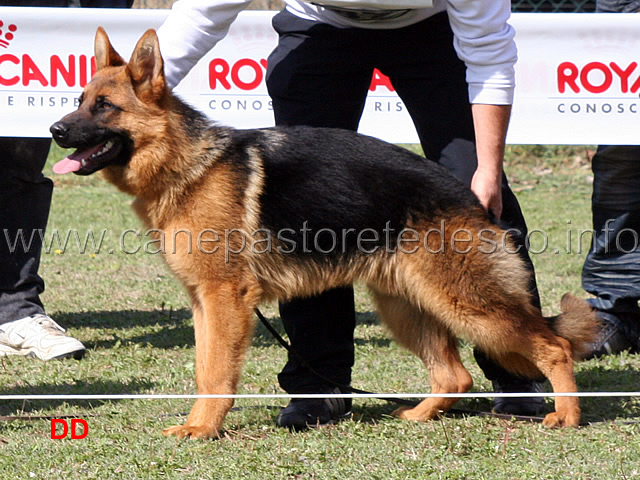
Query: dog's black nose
(59, 131)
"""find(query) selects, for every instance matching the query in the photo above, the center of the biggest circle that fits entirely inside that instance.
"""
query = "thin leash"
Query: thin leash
(398, 401)
(305, 364)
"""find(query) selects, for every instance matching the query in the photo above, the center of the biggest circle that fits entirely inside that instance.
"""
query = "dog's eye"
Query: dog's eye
(103, 104)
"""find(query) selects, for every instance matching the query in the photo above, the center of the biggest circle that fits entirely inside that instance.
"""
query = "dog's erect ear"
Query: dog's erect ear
(106, 56)
(146, 67)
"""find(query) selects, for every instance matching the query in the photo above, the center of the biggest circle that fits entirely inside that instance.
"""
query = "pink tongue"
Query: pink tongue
(67, 166)
(73, 162)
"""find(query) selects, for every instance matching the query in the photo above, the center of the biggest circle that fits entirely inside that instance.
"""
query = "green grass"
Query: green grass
(134, 318)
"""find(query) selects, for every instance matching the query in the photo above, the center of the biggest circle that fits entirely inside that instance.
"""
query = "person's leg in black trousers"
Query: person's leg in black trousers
(319, 328)
(25, 198)
(611, 270)
(23, 189)
(435, 93)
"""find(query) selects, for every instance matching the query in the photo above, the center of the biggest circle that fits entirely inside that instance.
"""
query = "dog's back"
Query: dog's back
(337, 181)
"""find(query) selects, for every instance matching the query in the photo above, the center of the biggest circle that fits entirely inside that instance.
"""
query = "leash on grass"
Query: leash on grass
(398, 401)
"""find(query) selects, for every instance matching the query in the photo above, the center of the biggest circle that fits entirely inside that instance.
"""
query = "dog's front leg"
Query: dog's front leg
(223, 327)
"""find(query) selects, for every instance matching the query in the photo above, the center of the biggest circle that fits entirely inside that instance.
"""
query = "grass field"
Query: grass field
(134, 318)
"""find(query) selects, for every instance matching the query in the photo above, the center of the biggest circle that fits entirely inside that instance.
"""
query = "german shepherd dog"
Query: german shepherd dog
(298, 210)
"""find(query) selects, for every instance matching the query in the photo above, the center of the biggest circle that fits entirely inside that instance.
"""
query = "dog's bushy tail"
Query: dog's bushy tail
(578, 323)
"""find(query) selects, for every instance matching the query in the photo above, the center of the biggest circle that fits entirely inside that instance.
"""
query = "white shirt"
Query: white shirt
(482, 37)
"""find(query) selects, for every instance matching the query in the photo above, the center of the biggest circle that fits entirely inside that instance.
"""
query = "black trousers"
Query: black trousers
(25, 198)
(319, 76)
(612, 268)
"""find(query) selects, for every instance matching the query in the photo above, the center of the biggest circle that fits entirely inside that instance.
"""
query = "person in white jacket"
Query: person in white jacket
(452, 64)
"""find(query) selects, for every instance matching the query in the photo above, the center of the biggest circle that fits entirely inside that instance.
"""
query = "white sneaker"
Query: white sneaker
(38, 336)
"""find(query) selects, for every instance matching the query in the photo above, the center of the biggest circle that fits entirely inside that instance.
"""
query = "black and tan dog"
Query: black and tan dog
(278, 213)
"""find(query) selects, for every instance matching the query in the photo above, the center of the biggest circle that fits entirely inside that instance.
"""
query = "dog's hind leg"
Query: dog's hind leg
(434, 345)
(223, 326)
(519, 338)
(552, 356)
(556, 363)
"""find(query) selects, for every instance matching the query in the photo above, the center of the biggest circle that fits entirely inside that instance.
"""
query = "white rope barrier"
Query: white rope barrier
(379, 396)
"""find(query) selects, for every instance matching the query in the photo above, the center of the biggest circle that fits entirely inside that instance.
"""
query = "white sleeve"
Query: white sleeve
(485, 42)
(192, 29)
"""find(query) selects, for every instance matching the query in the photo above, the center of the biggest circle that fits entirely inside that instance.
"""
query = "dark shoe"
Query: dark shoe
(527, 406)
(302, 413)
(618, 332)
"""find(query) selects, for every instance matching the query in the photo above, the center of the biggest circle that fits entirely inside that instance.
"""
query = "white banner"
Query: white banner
(578, 79)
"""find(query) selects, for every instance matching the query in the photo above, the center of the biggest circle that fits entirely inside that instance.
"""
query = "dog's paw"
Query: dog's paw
(191, 431)
(557, 420)
(414, 414)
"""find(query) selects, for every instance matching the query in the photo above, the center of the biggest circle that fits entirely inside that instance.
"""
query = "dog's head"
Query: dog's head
(121, 100)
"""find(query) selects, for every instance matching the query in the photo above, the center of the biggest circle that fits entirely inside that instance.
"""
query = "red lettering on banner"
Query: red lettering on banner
(596, 66)
(225, 75)
(379, 79)
(83, 70)
(624, 74)
(636, 86)
(570, 76)
(248, 74)
(72, 72)
(567, 75)
(68, 73)
(252, 65)
(8, 82)
(218, 71)
(30, 71)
